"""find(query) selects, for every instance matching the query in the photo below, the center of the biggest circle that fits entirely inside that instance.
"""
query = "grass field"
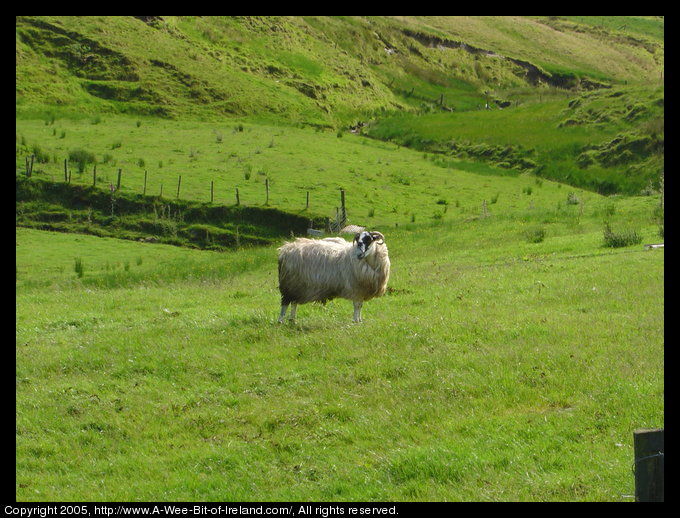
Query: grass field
(496, 368)
(383, 184)
(521, 339)
(555, 134)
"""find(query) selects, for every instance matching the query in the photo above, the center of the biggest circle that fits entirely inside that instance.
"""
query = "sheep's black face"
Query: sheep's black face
(363, 242)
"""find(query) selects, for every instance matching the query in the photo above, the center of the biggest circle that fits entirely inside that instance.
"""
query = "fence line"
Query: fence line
(332, 225)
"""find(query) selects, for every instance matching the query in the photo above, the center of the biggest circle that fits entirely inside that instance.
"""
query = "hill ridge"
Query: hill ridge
(311, 69)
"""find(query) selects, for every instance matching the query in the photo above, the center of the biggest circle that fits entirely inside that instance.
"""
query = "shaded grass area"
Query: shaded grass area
(76, 208)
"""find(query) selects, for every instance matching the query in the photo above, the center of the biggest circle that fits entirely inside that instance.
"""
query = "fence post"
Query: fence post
(120, 171)
(238, 201)
(648, 447)
(307, 205)
(212, 190)
(144, 192)
(342, 205)
(266, 189)
(94, 176)
(179, 182)
(66, 169)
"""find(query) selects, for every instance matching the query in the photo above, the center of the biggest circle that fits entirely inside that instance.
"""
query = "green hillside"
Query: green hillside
(318, 69)
(597, 81)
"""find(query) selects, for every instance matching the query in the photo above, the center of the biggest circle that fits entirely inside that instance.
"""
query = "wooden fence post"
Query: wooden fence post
(212, 190)
(648, 447)
(144, 192)
(238, 201)
(179, 182)
(94, 176)
(266, 189)
(120, 171)
(66, 169)
(307, 204)
(342, 205)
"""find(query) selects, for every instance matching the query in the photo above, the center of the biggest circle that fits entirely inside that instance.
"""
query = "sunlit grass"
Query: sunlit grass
(494, 369)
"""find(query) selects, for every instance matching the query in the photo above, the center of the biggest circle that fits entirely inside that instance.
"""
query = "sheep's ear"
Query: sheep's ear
(356, 237)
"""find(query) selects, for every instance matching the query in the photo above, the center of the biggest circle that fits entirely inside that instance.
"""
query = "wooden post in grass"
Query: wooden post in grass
(307, 204)
(342, 205)
(212, 190)
(179, 183)
(648, 447)
(120, 172)
(66, 169)
(144, 191)
(94, 176)
(266, 190)
(238, 201)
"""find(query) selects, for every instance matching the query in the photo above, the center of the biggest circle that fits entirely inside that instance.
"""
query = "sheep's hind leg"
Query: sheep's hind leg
(357, 311)
(282, 315)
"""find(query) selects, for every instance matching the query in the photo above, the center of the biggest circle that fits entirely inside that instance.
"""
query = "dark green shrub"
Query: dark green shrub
(81, 158)
(626, 237)
(535, 235)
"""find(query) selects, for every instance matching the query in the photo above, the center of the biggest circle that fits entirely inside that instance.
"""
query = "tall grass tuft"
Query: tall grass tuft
(623, 238)
(79, 267)
(535, 235)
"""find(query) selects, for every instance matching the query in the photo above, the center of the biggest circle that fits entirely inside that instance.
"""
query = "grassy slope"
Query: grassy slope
(203, 67)
(627, 48)
(333, 71)
(310, 69)
(624, 125)
(385, 185)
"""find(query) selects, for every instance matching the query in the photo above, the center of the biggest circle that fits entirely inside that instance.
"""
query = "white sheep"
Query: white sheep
(318, 270)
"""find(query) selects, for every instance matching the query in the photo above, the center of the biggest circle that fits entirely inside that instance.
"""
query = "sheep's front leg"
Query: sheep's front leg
(293, 311)
(357, 311)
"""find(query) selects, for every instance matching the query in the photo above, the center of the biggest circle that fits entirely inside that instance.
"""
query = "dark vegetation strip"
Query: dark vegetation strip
(60, 206)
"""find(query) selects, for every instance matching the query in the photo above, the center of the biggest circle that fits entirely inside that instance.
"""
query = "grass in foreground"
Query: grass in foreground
(495, 369)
